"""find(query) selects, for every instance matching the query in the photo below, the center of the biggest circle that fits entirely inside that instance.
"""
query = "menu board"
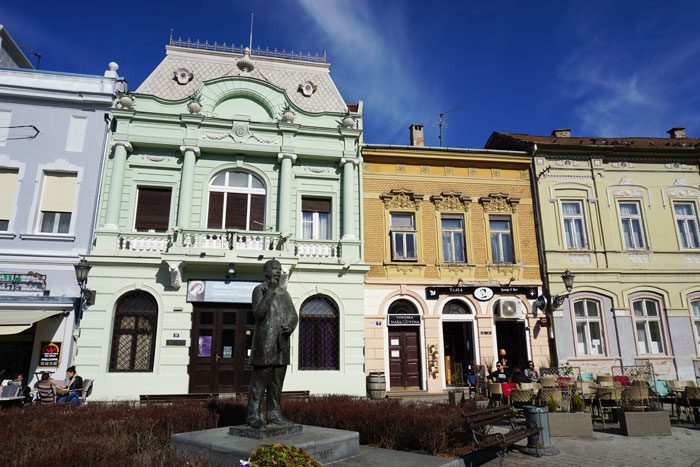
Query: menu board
(50, 354)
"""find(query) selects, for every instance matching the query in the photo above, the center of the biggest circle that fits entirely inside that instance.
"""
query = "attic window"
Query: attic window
(183, 76)
(307, 88)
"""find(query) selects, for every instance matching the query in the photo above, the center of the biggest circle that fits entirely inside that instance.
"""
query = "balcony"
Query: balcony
(226, 242)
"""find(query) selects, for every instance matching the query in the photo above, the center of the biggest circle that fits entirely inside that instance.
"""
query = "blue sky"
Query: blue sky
(604, 68)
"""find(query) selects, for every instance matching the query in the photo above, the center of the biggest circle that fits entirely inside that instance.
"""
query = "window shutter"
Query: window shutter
(316, 204)
(236, 210)
(153, 209)
(59, 192)
(216, 210)
(8, 188)
(257, 212)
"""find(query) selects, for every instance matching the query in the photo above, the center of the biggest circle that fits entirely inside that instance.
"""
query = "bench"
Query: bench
(480, 422)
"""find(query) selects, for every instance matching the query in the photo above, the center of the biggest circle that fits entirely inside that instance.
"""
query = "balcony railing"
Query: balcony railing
(144, 242)
(229, 240)
(317, 249)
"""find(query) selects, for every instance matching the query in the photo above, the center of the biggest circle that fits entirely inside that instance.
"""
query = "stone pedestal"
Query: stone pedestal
(270, 431)
(224, 449)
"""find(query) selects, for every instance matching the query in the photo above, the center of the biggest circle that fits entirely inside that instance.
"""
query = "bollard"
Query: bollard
(538, 444)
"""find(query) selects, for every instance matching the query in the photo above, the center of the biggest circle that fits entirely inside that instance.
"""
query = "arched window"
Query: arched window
(456, 307)
(134, 334)
(648, 325)
(402, 307)
(695, 316)
(236, 201)
(319, 334)
(589, 327)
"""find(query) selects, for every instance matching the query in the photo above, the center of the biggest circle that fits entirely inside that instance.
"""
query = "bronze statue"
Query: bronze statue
(275, 320)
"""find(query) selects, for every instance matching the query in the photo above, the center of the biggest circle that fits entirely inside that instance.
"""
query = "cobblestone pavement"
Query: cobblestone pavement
(610, 448)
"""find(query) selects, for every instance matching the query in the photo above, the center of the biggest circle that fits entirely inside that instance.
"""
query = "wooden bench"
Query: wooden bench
(480, 423)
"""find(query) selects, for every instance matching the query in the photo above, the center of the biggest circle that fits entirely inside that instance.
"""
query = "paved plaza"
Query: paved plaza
(611, 448)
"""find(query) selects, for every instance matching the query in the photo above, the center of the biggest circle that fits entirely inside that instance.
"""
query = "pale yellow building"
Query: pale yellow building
(450, 240)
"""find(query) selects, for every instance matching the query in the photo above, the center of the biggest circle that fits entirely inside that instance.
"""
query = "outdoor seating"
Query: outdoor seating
(86, 391)
(622, 380)
(521, 397)
(607, 400)
(548, 394)
(587, 377)
(636, 396)
(605, 380)
(549, 382)
(496, 392)
(479, 422)
(691, 401)
(588, 391)
(12, 389)
(46, 394)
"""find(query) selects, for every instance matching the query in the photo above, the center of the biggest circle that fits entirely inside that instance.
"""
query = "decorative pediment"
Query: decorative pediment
(499, 202)
(451, 201)
(401, 199)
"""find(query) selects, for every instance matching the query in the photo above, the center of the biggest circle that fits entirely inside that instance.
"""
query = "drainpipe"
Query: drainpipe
(541, 255)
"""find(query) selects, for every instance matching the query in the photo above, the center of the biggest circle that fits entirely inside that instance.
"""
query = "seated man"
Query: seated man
(519, 376)
(500, 375)
(71, 391)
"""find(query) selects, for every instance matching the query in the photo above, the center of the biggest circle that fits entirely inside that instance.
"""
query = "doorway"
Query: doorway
(458, 343)
(404, 357)
(222, 336)
(16, 353)
(510, 335)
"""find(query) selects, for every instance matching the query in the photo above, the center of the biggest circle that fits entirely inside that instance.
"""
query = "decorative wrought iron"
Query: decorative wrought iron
(564, 379)
(319, 334)
(134, 333)
(266, 52)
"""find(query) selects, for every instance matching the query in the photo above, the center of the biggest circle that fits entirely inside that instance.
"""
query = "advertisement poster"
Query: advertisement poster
(50, 354)
(220, 291)
(204, 346)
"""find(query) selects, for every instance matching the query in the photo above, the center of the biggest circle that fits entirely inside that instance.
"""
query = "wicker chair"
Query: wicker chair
(588, 391)
(496, 392)
(549, 382)
(636, 395)
(520, 397)
(691, 401)
(605, 381)
(608, 399)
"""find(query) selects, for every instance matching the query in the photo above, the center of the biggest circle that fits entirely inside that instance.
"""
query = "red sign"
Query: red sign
(50, 354)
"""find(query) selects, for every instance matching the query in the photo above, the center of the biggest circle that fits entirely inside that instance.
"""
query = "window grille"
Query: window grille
(319, 334)
(134, 333)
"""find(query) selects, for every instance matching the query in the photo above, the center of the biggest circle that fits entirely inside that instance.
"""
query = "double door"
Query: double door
(404, 357)
(222, 336)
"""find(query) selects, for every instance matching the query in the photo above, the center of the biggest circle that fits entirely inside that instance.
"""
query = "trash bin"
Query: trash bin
(538, 444)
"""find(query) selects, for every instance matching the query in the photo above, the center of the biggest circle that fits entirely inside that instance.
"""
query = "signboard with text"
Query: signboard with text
(30, 283)
(220, 291)
(481, 293)
(404, 320)
(50, 354)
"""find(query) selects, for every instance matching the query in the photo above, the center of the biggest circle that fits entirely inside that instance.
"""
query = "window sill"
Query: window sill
(653, 356)
(403, 263)
(7, 235)
(46, 236)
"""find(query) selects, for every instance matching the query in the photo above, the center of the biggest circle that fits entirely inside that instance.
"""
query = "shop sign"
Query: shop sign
(220, 291)
(50, 354)
(480, 293)
(22, 284)
(404, 320)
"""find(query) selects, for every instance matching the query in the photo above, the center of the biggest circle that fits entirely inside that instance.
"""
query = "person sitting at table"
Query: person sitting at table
(70, 392)
(519, 376)
(500, 375)
(18, 380)
(46, 389)
(530, 371)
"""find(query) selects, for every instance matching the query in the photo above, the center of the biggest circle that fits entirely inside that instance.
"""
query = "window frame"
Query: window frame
(249, 190)
(639, 217)
(405, 233)
(151, 315)
(451, 232)
(694, 305)
(581, 217)
(309, 324)
(501, 217)
(44, 172)
(646, 320)
(136, 208)
(316, 220)
(55, 223)
(587, 320)
(686, 229)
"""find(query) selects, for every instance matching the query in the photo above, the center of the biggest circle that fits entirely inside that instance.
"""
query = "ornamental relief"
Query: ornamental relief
(451, 201)
(401, 199)
(499, 202)
(240, 133)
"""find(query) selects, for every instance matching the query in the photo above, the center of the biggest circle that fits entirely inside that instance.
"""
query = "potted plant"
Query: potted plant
(195, 103)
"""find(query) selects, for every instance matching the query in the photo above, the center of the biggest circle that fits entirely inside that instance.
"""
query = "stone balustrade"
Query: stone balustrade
(317, 249)
(144, 242)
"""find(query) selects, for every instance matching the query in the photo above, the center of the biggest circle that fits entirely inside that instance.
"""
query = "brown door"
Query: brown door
(221, 339)
(404, 357)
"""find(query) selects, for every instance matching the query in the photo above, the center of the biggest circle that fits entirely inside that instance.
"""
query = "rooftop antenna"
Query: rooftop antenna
(34, 53)
(171, 35)
(442, 123)
(250, 45)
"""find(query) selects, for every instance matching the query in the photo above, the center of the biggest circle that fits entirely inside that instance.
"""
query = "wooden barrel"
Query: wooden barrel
(376, 386)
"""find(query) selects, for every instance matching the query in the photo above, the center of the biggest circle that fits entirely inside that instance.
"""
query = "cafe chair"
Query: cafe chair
(608, 399)
(87, 390)
(496, 392)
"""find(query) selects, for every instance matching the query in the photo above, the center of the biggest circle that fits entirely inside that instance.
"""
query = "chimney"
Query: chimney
(676, 132)
(562, 133)
(417, 134)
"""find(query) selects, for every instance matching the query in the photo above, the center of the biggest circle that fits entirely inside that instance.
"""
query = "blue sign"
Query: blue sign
(220, 291)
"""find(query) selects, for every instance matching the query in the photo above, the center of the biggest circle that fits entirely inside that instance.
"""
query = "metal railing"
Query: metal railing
(238, 49)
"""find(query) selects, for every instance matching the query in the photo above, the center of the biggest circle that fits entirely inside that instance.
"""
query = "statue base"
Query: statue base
(270, 431)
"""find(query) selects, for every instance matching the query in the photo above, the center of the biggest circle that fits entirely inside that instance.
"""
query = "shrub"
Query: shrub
(577, 403)
(281, 455)
(552, 404)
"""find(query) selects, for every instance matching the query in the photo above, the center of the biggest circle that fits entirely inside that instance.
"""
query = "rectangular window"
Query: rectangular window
(315, 219)
(152, 209)
(58, 201)
(574, 225)
(632, 229)
(648, 326)
(77, 129)
(8, 189)
(589, 335)
(687, 222)
(501, 239)
(695, 306)
(403, 237)
(5, 122)
(453, 239)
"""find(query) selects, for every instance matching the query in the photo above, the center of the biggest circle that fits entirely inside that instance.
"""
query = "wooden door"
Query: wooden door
(221, 339)
(404, 357)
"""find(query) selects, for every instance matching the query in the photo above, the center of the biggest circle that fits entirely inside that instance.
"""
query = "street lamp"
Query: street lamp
(87, 296)
(548, 302)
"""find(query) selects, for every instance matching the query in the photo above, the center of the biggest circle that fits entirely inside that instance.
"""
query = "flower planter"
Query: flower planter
(456, 396)
(644, 423)
(578, 424)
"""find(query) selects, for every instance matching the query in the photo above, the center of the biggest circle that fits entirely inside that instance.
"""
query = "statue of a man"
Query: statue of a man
(275, 320)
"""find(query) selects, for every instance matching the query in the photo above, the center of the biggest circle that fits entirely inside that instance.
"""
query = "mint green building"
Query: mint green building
(221, 160)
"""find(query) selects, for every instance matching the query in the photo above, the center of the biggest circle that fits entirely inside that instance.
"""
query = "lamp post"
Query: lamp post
(87, 296)
(550, 303)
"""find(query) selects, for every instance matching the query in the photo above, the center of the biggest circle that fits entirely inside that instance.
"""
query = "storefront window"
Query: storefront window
(319, 334)
(134, 333)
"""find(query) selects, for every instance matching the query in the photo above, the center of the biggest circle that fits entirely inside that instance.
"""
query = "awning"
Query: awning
(14, 322)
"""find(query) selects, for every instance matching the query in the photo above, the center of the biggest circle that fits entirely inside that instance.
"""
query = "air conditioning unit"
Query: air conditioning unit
(510, 308)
